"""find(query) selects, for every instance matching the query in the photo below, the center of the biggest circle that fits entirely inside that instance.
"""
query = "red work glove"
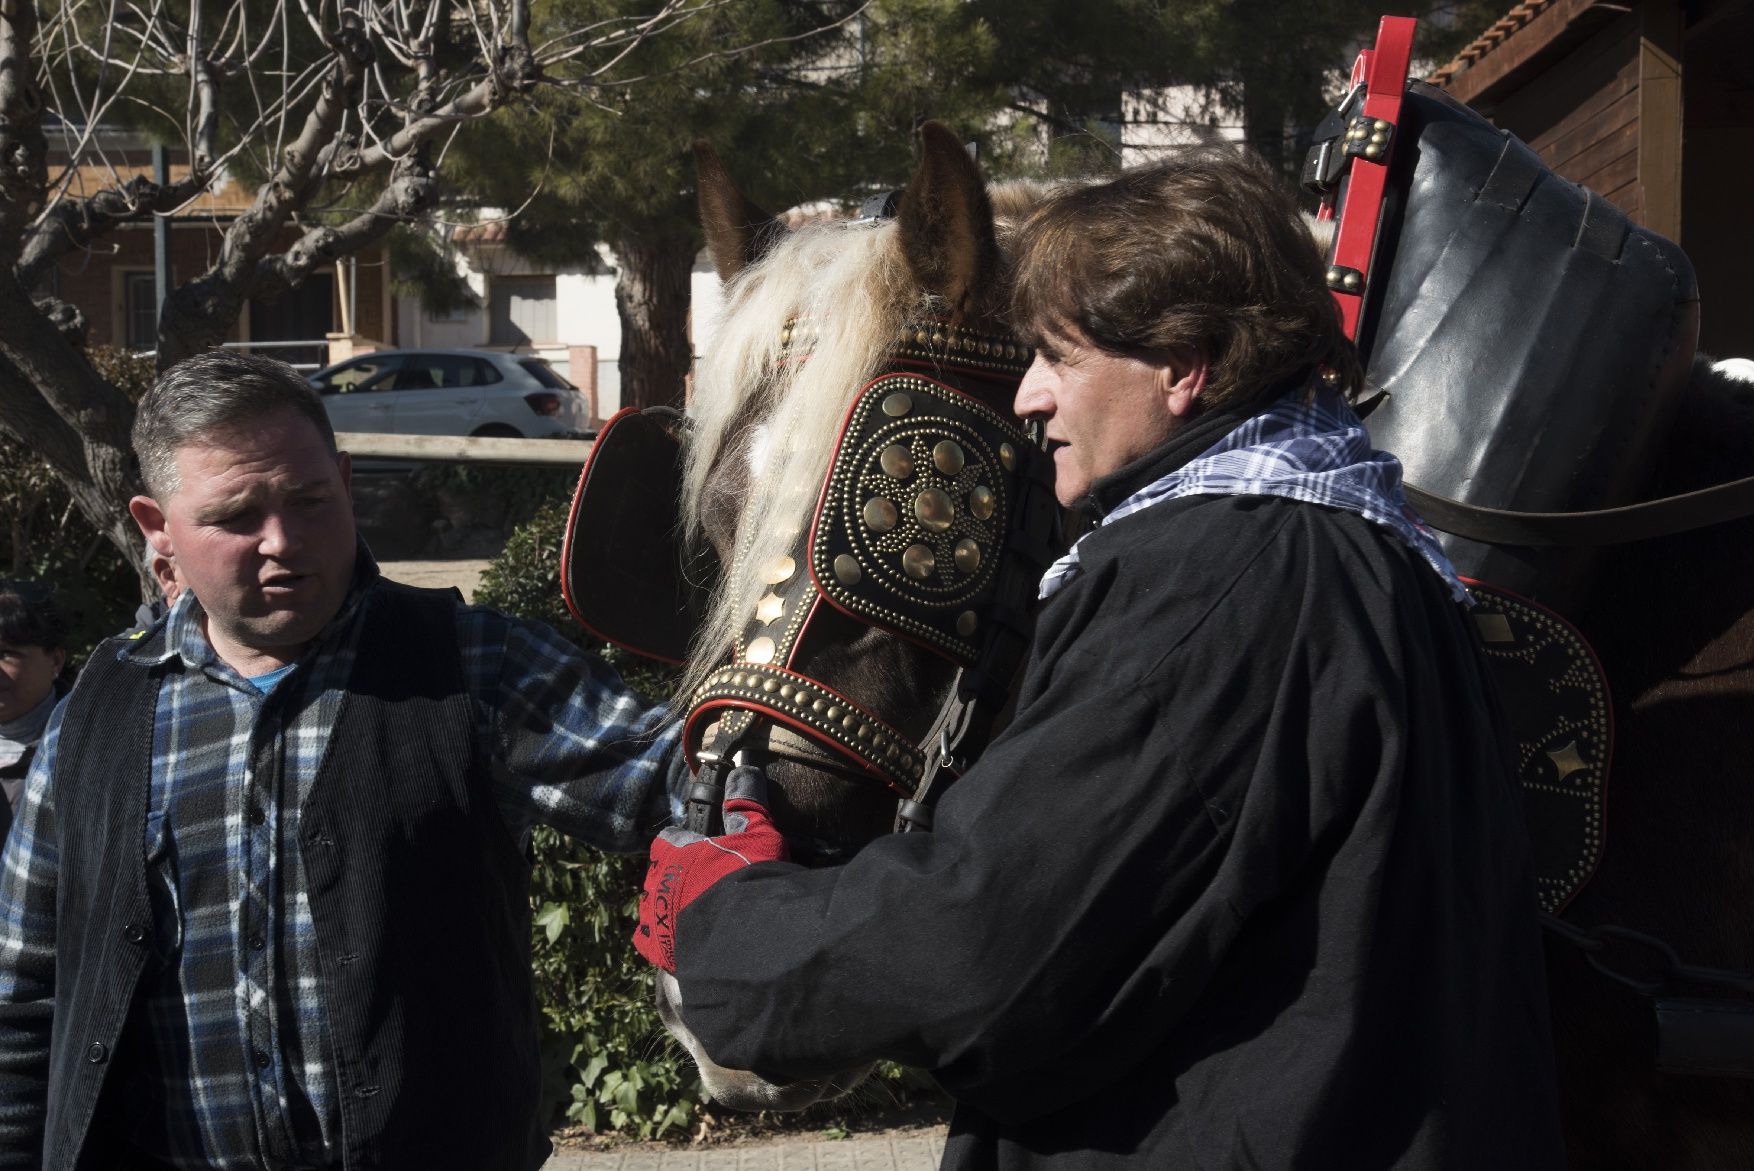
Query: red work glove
(684, 863)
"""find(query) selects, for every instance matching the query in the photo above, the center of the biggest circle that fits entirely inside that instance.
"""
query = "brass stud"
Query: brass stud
(938, 338)
(788, 691)
(833, 713)
(864, 732)
(818, 706)
(982, 502)
(737, 679)
(1010, 351)
(921, 337)
(967, 622)
(918, 561)
(986, 347)
(1007, 453)
(1334, 276)
(897, 462)
(1331, 377)
(947, 457)
(1381, 125)
(1373, 152)
(1352, 281)
(846, 569)
(934, 509)
(770, 685)
(780, 569)
(770, 608)
(897, 405)
(1379, 138)
(967, 556)
(881, 515)
(760, 651)
(850, 723)
(786, 336)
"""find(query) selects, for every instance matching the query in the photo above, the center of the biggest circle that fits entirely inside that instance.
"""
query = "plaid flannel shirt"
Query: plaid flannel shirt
(1315, 451)
(237, 1073)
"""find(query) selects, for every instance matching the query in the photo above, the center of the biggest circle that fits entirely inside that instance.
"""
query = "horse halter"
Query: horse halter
(934, 524)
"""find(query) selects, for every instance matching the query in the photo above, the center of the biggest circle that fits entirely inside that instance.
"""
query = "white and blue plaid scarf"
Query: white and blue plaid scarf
(1315, 451)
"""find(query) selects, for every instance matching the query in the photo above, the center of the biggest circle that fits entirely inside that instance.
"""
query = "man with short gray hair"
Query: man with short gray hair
(266, 906)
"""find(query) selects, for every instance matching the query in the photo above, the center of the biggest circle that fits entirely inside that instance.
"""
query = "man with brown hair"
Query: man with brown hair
(1244, 885)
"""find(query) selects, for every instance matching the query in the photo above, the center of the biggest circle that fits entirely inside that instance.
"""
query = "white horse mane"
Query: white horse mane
(851, 288)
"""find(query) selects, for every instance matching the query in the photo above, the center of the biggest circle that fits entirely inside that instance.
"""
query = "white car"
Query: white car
(451, 392)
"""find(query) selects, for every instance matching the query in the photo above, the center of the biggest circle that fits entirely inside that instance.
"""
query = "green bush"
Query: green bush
(610, 1065)
(49, 540)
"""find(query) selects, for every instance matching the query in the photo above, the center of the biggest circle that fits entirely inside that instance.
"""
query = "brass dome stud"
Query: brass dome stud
(934, 509)
(918, 561)
(982, 502)
(967, 623)
(1007, 453)
(879, 514)
(779, 570)
(897, 405)
(760, 651)
(967, 556)
(947, 457)
(897, 462)
(846, 569)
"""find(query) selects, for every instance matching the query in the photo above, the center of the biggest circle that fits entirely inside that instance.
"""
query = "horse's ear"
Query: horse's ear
(946, 222)
(737, 232)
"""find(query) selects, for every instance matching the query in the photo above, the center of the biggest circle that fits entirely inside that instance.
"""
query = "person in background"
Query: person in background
(33, 653)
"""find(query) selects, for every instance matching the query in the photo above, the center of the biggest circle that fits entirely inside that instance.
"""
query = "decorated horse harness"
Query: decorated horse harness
(934, 524)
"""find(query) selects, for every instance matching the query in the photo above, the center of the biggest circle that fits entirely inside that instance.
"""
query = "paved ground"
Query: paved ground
(911, 1151)
(434, 574)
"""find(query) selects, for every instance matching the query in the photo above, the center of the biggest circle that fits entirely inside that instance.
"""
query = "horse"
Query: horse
(1672, 620)
(812, 315)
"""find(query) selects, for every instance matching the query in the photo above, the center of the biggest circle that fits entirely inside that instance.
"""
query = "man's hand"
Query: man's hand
(684, 864)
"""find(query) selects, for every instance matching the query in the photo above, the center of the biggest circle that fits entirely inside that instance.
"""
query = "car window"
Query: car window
(544, 373)
(444, 372)
(359, 374)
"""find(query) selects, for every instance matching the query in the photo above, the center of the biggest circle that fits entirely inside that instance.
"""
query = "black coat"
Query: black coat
(1244, 885)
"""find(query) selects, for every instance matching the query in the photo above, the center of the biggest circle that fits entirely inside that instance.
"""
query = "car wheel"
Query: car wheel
(496, 431)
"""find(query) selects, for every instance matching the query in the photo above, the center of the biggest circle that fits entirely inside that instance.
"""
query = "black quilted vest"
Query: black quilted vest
(417, 888)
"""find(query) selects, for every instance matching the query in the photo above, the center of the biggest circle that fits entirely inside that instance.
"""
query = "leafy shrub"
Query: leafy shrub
(610, 1065)
(47, 539)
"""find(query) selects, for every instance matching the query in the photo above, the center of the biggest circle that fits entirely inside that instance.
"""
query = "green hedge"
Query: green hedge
(610, 1064)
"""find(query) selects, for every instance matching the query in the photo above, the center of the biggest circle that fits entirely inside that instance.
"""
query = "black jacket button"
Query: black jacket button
(134, 933)
(97, 1053)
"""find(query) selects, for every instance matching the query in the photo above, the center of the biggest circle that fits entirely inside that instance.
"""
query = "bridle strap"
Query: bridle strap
(822, 715)
(1664, 517)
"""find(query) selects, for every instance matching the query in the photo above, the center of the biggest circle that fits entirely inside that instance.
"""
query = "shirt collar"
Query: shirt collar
(179, 634)
(1186, 444)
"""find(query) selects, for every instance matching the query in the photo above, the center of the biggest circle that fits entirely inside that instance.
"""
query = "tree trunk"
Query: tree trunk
(651, 298)
(1263, 122)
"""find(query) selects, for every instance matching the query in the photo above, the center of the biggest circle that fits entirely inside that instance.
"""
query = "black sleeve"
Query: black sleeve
(1084, 882)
